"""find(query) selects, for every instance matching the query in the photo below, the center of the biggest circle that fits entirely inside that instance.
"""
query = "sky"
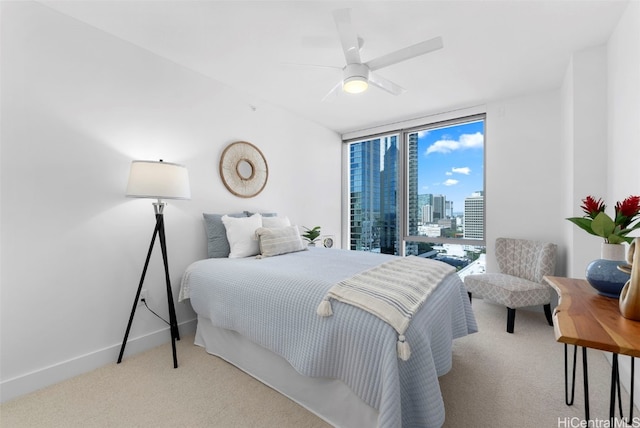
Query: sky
(451, 162)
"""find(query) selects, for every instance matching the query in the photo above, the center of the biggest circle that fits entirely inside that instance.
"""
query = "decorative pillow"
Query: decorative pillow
(273, 222)
(217, 242)
(281, 240)
(241, 233)
(249, 214)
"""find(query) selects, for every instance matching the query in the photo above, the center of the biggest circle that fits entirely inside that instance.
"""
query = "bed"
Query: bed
(260, 315)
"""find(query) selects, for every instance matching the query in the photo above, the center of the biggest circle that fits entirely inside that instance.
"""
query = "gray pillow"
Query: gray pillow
(217, 242)
(250, 213)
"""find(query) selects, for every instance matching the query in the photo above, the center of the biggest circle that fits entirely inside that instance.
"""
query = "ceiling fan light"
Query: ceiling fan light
(355, 84)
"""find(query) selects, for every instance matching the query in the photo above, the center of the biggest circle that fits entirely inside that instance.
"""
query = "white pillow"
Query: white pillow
(241, 235)
(275, 222)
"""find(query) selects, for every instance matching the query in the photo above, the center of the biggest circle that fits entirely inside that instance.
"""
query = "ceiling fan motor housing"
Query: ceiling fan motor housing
(355, 78)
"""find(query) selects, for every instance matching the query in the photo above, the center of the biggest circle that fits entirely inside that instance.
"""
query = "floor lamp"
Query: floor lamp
(157, 180)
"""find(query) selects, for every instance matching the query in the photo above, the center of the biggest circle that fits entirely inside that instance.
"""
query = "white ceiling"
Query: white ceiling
(493, 49)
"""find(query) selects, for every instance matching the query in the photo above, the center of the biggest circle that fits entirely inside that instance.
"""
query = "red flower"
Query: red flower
(627, 210)
(591, 207)
(613, 230)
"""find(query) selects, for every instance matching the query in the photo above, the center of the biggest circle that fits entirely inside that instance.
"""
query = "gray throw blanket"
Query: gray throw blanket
(393, 292)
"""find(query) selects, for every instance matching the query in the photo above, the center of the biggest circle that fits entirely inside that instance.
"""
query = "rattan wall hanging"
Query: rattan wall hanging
(243, 169)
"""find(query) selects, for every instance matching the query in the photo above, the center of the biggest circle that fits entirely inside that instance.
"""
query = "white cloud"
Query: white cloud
(448, 173)
(462, 170)
(423, 133)
(450, 182)
(466, 141)
(443, 146)
(472, 141)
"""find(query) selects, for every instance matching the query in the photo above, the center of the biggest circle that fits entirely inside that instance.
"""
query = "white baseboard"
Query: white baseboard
(38, 379)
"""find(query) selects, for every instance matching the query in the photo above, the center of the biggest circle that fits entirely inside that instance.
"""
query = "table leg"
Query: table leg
(569, 402)
(633, 377)
(614, 383)
(616, 388)
(585, 375)
(615, 377)
(586, 383)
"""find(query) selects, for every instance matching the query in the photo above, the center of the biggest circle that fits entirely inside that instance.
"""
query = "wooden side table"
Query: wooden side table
(585, 318)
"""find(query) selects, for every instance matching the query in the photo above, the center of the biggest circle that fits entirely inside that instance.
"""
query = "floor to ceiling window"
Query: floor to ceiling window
(420, 191)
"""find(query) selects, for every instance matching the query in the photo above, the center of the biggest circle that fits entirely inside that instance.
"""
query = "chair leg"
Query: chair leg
(547, 313)
(469, 293)
(511, 318)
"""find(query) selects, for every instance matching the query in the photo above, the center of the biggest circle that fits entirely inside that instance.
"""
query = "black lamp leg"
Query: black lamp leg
(173, 321)
(159, 230)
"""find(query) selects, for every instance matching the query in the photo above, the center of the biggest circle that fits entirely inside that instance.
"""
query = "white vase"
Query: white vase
(614, 252)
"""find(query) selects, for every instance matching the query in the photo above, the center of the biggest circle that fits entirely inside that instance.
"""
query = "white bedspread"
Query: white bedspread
(273, 301)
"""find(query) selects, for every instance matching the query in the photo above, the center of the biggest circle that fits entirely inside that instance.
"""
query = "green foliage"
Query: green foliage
(311, 235)
(603, 226)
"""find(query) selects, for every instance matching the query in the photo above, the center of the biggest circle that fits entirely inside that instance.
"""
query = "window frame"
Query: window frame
(402, 130)
(405, 193)
(347, 196)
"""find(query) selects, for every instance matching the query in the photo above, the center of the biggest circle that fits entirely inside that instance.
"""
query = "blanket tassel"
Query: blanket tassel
(324, 308)
(404, 352)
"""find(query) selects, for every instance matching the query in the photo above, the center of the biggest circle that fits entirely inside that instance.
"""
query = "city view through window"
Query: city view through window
(443, 192)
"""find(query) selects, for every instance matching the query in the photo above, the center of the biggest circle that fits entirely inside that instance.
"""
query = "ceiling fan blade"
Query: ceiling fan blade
(385, 84)
(348, 36)
(297, 64)
(332, 92)
(406, 53)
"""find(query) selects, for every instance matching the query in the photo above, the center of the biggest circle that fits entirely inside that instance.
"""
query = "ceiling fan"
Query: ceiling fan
(358, 75)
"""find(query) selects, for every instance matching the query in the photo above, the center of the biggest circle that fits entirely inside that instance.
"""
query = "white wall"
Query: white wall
(601, 107)
(562, 146)
(585, 109)
(547, 151)
(623, 59)
(77, 106)
(623, 102)
(524, 172)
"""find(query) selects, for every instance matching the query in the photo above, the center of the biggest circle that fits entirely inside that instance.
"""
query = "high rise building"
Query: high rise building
(413, 202)
(425, 199)
(389, 206)
(449, 209)
(365, 195)
(474, 216)
(427, 214)
(425, 202)
(439, 207)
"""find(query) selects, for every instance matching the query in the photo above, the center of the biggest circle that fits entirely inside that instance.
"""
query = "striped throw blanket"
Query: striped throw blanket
(393, 291)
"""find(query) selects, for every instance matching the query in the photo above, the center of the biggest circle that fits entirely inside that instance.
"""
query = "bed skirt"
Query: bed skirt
(329, 399)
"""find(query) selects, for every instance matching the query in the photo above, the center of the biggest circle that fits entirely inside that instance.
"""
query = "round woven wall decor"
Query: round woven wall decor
(243, 169)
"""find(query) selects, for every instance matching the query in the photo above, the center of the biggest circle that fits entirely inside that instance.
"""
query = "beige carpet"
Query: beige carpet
(497, 380)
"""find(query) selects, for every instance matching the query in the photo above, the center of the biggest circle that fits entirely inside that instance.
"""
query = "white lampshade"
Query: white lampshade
(158, 180)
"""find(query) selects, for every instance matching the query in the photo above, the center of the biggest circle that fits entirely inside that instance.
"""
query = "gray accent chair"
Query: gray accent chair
(522, 265)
